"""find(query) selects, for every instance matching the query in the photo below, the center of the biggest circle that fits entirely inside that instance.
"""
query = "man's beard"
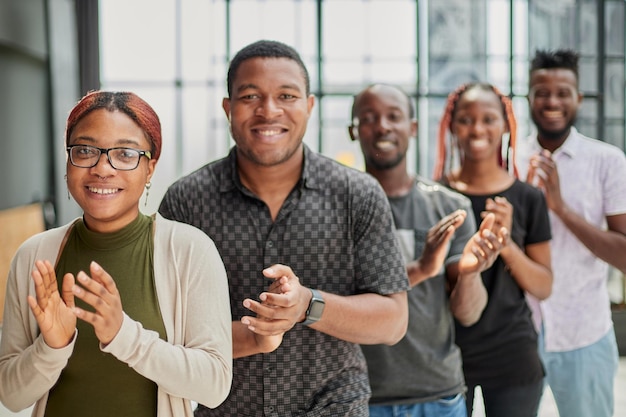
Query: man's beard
(553, 134)
(383, 165)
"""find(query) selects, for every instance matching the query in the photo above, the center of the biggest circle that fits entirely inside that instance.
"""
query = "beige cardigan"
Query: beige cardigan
(195, 363)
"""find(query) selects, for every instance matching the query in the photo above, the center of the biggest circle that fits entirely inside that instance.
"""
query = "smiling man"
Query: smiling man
(311, 239)
(422, 374)
(583, 181)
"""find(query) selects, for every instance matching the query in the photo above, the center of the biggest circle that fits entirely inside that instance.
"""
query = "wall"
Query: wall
(38, 86)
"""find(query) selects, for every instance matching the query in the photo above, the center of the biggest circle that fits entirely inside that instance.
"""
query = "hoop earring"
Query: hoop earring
(148, 185)
(66, 187)
(454, 160)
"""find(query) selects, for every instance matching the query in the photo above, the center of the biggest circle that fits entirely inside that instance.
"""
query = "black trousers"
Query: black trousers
(516, 401)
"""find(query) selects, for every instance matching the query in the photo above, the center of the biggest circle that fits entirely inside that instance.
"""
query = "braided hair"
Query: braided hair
(446, 160)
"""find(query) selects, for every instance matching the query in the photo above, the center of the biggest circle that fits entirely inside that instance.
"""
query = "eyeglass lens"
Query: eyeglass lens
(85, 156)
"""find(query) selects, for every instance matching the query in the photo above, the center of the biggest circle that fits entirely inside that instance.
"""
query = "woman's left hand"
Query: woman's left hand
(503, 210)
(101, 293)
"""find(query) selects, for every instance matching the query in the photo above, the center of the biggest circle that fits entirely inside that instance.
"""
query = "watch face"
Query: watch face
(317, 308)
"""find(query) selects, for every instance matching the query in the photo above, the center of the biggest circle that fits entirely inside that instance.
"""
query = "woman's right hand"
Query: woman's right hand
(53, 311)
(483, 248)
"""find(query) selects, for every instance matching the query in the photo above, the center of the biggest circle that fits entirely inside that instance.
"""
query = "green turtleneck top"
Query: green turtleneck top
(95, 383)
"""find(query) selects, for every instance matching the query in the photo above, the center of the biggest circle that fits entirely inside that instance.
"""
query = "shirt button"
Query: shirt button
(270, 244)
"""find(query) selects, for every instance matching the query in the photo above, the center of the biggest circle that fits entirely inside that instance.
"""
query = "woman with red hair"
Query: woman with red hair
(126, 314)
(500, 351)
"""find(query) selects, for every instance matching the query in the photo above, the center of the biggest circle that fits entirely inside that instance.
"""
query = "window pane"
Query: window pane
(341, 42)
(554, 24)
(614, 90)
(202, 120)
(499, 36)
(380, 45)
(203, 29)
(520, 35)
(457, 44)
(521, 111)
(286, 21)
(587, 121)
(447, 74)
(137, 46)
(395, 72)
(184, 46)
(615, 18)
(520, 75)
(498, 73)
(588, 74)
(336, 140)
(346, 75)
(614, 134)
(586, 34)
(434, 113)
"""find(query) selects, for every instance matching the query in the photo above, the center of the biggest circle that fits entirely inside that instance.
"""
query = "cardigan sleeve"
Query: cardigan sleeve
(196, 361)
(28, 367)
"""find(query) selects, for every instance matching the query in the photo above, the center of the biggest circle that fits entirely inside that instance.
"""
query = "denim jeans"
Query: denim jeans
(452, 406)
(582, 380)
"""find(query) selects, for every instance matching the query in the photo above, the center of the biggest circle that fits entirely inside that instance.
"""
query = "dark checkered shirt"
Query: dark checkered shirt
(335, 231)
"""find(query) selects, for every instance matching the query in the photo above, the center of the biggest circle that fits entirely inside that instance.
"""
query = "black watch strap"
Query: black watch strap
(316, 307)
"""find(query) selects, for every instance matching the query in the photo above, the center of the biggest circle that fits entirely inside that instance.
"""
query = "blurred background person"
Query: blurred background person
(583, 181)
(422, 374)
(500, 350)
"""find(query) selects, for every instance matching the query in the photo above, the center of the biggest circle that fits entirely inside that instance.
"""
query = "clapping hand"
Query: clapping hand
(543, 173)
(437, 243)
(483, 248)
(101, 293)
(279, 308)
(503, 211)
(53, 311)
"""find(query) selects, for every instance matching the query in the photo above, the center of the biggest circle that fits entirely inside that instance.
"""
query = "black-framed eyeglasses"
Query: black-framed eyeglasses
(122, 159)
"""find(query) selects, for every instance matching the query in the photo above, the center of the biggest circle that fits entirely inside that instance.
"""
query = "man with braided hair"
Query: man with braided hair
(583, 181)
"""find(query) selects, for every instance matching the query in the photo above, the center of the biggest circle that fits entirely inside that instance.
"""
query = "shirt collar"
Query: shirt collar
(310, 177)
(229, 177)
(570, 147)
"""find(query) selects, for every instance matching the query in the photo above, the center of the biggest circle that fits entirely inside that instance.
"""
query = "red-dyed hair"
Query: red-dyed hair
(442, 163)
(128, 103)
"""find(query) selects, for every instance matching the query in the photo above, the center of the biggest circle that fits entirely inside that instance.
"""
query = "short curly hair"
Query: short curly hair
(265, 49)
(560, 58)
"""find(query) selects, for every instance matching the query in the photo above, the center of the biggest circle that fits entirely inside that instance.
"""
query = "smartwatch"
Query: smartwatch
(316, 307)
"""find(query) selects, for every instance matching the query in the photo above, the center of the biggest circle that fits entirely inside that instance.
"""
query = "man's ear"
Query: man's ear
(353, 131)
(310, 102)
(226, 107)
(414, 126)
